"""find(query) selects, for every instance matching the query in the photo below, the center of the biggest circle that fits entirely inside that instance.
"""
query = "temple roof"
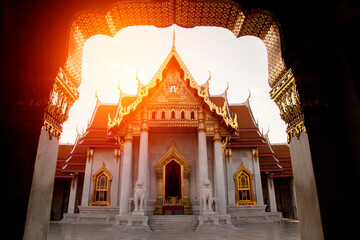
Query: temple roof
(273, 159)
(216, 104)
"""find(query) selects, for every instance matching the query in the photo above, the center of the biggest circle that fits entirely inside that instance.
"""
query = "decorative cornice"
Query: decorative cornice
(286, 97)
(62, 97)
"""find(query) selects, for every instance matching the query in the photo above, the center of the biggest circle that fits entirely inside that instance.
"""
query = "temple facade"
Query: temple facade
(173, 149)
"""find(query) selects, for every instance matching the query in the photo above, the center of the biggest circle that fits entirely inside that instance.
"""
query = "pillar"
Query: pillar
(39, 206)
(143, 154)
(85, 199)
(272, 198)
(257, 177)
(219, 173)
(305, 188)
(72, 195)
(143, 151)
(202, 150)
(126, 173)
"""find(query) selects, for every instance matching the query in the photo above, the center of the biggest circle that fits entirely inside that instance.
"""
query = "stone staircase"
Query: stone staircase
(173, 222)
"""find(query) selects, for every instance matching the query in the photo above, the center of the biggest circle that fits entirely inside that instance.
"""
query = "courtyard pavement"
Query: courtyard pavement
(268, 231)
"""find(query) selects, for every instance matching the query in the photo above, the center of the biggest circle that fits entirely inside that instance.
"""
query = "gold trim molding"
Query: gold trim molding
(62, 97)
(286, 97)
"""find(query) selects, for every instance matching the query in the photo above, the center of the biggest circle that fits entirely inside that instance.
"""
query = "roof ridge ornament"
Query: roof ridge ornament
(173, 45)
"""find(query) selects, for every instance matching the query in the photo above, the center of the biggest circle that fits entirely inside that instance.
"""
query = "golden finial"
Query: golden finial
(173, 46)
(96, 95)
(227, 86)
(248, 98)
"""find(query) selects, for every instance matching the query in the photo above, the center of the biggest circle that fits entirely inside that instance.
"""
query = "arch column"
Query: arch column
(126, 173)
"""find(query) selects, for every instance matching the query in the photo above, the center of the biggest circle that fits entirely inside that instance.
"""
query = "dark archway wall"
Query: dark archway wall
(319, 44)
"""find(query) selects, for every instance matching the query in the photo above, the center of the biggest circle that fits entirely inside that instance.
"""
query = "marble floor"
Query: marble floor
(269, 231)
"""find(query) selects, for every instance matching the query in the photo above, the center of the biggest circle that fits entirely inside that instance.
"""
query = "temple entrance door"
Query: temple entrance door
(173, 179)
(172, 184)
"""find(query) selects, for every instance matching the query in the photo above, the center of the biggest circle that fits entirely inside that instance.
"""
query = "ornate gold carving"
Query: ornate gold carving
(295, 130)
(255, 154)
(117, 154)
(89, 154)
(62, 97)
(173, 201)
(286, 97)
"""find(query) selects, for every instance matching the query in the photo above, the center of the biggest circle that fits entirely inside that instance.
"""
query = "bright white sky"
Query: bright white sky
(242, 62)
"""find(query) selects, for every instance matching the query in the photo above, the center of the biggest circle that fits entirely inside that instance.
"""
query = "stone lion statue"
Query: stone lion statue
(139, 196)
(207, 195)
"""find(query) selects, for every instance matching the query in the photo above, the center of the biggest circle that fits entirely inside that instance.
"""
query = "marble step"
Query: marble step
(173, 222)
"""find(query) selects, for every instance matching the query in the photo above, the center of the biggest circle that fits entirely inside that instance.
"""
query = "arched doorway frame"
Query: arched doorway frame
(173, 155)
(185, 13)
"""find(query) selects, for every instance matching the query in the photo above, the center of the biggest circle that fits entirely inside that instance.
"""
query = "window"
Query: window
(101, 187)
(182, 115)
(192, 115)
(172, 115)
(243, 184)
(163, 115)
(153, 115)
(243, 187)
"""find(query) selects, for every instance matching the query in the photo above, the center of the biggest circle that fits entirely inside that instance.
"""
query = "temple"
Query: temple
(173, 149)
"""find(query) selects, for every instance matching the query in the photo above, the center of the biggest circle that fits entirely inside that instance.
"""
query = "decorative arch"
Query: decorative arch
(184, 13)
(173, 155)
(244, 186)
(101, 187)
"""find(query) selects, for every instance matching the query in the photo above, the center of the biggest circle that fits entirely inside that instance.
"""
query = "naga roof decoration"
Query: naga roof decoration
(201, 90)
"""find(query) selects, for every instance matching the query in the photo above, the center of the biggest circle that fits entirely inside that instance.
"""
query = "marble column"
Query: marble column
(257, 177)
(272, 198)
(72, 195)
(305, 188)
(85, 199)
(202, 150)
(39, 206)
(219, 174)
(143, 151)
(126, 173)
(143, 154)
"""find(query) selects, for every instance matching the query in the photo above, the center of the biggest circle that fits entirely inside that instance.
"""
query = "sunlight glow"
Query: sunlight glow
(109, 61)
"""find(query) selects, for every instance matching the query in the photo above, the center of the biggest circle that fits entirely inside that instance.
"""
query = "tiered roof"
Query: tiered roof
(237, 118)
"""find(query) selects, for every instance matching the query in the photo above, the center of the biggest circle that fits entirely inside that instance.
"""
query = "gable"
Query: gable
(173, 90)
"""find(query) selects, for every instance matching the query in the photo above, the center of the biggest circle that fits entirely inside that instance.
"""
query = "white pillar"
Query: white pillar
(272, 198)
(72, 195)
(85, 199)
(257, 177)
(219, 174)
(126, 173)
(202, 150)
(39, 206)
(293, 199)
(143, 155)
(305, 187)
(143, 152)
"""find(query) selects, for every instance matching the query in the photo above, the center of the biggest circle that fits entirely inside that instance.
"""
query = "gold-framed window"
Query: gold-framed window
(244, 186)
(101, 187)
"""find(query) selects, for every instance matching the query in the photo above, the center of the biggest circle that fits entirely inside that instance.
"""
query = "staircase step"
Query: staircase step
(173, 222)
